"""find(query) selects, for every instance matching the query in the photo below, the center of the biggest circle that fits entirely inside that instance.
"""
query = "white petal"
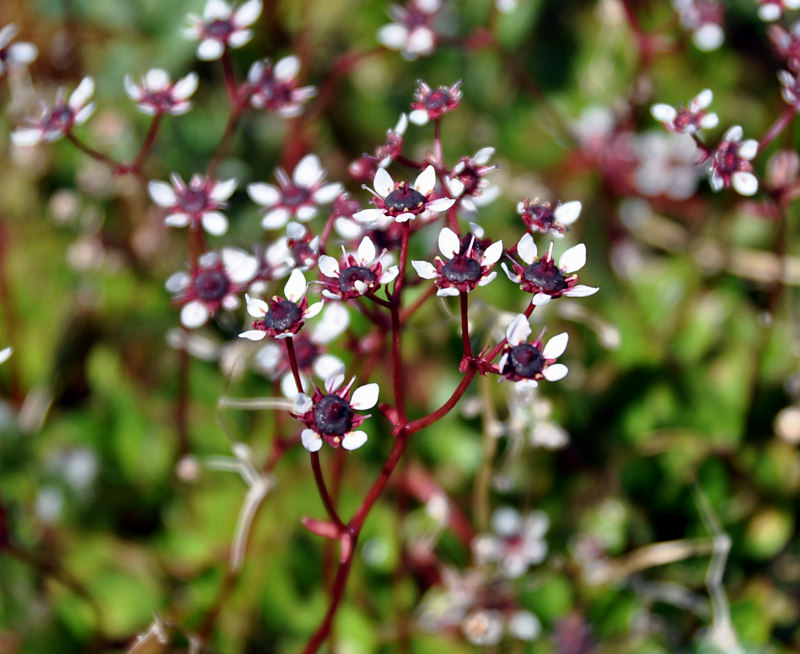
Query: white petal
(449, 243)
(314, 309)
(709, 121)
(419, 117)
(214, 223)
(366, 251)
(308, 171)
(487, 279)
(483, 155)
(748, 149)
(194, 314)
(295, 287)
(80, 96)
(132, 88)
(716, 181)
(266, 195)
(156, 79)
(223, 190)
(518, 331)
(581, 291)
(305, 213)
(425, 182)
(275, 219)
(327, 364)
(216, 9)
(420, 41)
(709, 37)
(311, 440)
(492, 254)
(83, 114)
(506, 521)
(526, 249)
(5, 353)
(744, 183)
(512, 276)
(253, 335)
(332, 325)
(425, 269)
(702, 100)
(239, 37)
(328, 266)
(248, 13)
(334, 380)
(384, 184)
(389, 275)
(185, 87)
(556, 346)
(555, 372)
(448, 291)
(240, 266)
(441, 204)
(734, 134)
(365, 397)
(287, 68)
(177, 219)
(255, 307)
(393, 36)
(162, 193)
(769, 12)
(354, 440)
(327, 193)
(369, 216)
(525, 385)
(663, 113)
(573, 259)
(289, 387)
(568, 213)
(454, 186)
(26, 137)
(540, 299)
(210, 49)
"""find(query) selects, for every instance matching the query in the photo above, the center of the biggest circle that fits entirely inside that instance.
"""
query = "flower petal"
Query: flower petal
(518, 331)
(568, 213)
(162, 193)
(295, 286)
(308, 171)
(264, 194)
(425, 181)
(744, 183)
(365, 397)
(253, 335)
(492, 254)
(194, 314)
(526, 249)
(556, 346)
(366, 251)
(275, 219)
(384, 184)
(581, 291)
(573, 259)
(663, 113)
(354, 440)
(425, 269)
(555, 372)
(328, 266)
(311, 440)
(440, 204)
(449, 243)
(287, 68)
(215, 223)
(255, 307)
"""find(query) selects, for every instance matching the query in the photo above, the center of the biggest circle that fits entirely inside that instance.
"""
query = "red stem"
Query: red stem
(464, 297)
(323, 492)
(777, 127)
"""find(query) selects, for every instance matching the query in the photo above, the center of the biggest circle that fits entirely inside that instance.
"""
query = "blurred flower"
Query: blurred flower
(466, 182)
(666, 164)
(156, 94)
(281, 317)
(358, 275)
(399, 202)
(787, 43)
(14, 55)
(221, 27)
(772, 10)
(542, 278)
(790, 88)
(543, 218)
(197, 203)
(309, 350)
(687, 120)
(215, 282)
(463, 270)
(297, 197)
(331, 416)
(5, 354)
(730, 165)
(364, 168)
(432, 104)
(275, 87)
(527, 363)
(704, 19)
(53, 123)
(412, 31)
(298, 249)
(517, 542)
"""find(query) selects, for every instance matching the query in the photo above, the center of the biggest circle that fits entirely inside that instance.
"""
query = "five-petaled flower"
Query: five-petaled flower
(730, 165)
(687, 120)
(466, 181)
(281, 317)
(516, 544)
(274, 87)
(331, 416)
(543, 278)
(221, 27)
(468, 265)
(196, 203)
(399, 202)
(541, 217)
(432, 104)
(356, 275)
(215, 282)
(297, 197)
(704, 18)
(412, 31)
(156, 94)
(14, 55)
(526, 363)
(53, 123)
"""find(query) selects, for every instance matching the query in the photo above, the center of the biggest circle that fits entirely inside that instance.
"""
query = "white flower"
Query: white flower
(517, 543)
(526, 363)
(156, 94)
(197, 202)
(730, 165)
(687, 120)
(222, 27)
(53, 123)
(14, 55)
(412, 31)
(359, 274)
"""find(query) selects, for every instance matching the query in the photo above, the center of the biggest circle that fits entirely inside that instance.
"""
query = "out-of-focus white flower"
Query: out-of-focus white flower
(156, 94)
(222, 27)
(14, 55)
(54, 122)
(412, 31)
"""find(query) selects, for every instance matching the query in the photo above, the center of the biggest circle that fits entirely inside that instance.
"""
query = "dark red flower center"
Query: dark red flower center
(193, 200)
(161, 100)
(686, 119)
(333, 415)
(305, 351)
(461, 269)
(525, 360)
(282, 315)
(545, 276)
(436, 99)
(349, 277)
(727, 158)
(470, 178)
(294, 196)
(405, 199)
(61, 118)
(541, 215)
(219, 29)
(211, 285)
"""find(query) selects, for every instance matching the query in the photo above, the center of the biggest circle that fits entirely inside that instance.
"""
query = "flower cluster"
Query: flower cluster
(55, 122)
